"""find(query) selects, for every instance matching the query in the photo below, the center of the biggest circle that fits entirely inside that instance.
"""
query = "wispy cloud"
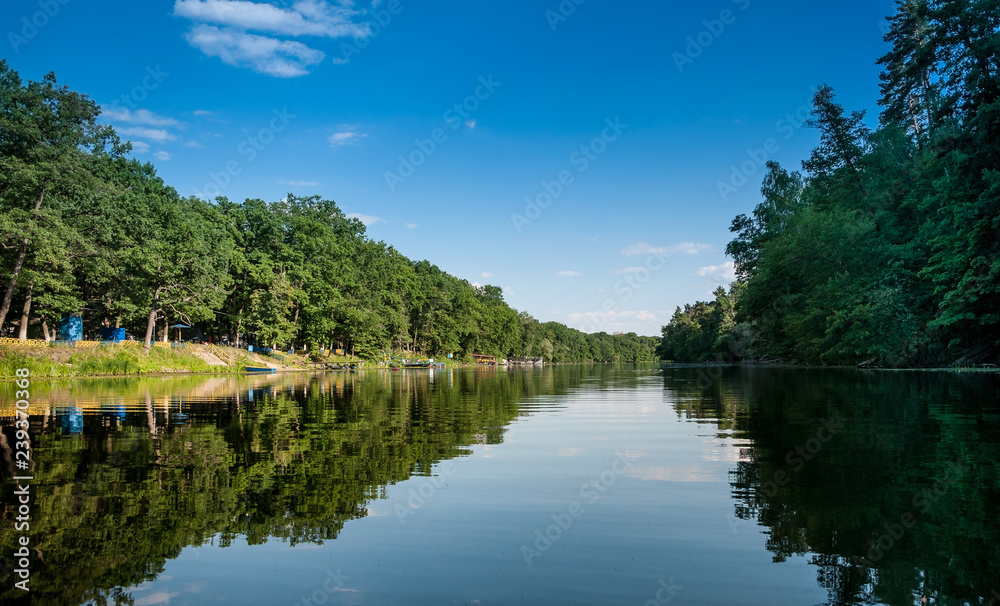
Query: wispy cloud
(366, 219)
(202, 112)
(684, 248)
(347, 134)
(279, 58)
(222, 29)
(162, 155)
(300, 183)
(719, 273)
(140, 147)
(568, 272)
(153, 134)
(303, 18)
(486, 274)
(411, 226)
(139, 116)
(629, 270)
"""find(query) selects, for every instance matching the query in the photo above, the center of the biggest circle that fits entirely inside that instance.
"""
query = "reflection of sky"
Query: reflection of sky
(667, 516)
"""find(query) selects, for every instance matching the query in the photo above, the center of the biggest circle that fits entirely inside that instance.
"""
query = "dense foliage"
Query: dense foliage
(886, 249)
(85, 228)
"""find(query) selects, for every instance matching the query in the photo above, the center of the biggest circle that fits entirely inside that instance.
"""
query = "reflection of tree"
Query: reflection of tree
(903, 434)
(112, 505)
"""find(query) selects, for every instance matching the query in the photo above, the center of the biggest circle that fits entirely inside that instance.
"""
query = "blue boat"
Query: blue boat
(259, 369)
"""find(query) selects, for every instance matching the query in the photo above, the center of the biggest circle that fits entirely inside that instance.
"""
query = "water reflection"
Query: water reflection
(129, 472)
(888, 482)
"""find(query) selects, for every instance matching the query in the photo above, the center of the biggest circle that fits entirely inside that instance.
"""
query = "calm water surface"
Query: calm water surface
(563, 485)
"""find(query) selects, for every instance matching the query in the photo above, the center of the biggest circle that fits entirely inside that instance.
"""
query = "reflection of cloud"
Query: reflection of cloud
(689, 473)
(568, 273)
(569, 452)
(156, 598)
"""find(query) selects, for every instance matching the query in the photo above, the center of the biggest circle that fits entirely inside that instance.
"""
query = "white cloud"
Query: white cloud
(162, 155)
(684, 248)
(471, 124)
(629, 270)
(303, 18)
(300, 183)
(347, 135)
(486, 274)
(155, 134)
(411, 226)
(366, 219)
(140, 147)
(202, 112)
(140, 116)
(222, 30)
(279, 58)
(568, 273)
(192, 144)
(719, 273)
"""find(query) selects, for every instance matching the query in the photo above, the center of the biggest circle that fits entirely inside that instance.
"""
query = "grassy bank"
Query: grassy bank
(123, 361)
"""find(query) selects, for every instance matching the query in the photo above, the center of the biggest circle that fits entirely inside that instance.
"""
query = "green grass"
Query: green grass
(103, 361)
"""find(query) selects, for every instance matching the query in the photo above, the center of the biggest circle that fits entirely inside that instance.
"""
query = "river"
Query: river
(630, 485)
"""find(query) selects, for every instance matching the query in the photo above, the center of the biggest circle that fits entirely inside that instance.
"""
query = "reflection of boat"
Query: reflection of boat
(347, 366)
(260, 369)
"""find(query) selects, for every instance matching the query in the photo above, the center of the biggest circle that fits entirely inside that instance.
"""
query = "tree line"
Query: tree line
(885, 249)
(85, 228)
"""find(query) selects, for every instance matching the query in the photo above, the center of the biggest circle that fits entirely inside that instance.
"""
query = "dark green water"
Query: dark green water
(563, 485)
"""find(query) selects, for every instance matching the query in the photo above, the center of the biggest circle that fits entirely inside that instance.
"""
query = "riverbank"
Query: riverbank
(129, 359)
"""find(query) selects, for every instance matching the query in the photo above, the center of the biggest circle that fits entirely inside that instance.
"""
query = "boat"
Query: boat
(260, 369)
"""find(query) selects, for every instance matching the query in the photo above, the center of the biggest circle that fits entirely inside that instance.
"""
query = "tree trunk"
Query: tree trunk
(150, 324)
(26, 314)
(21, 254)
(45, 331)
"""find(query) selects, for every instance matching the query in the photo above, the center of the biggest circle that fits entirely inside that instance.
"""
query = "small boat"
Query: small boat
(260, 369)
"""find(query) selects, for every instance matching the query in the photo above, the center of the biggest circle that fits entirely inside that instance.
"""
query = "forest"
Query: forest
(86, 229)
(885, 249)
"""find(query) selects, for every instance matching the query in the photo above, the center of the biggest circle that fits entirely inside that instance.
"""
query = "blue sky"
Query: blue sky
(587, 156)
